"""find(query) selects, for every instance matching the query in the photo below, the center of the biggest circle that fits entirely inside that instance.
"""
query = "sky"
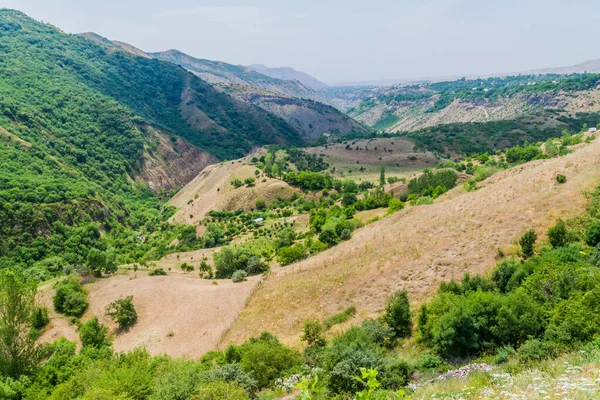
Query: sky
(346, 40)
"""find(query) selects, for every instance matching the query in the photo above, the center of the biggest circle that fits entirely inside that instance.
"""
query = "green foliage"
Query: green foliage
(231, 259)
(428, 182)
(397, 314)
(558, 234)
(93, 334)
(70, 298)
(239, 276)
(313, 333)
(340, 318)
(290, 254)
(527, 242)
(157, 272)
(560, 178)
(19, 353)
(267, 359)
(592, 233)
(220, 390)
(39, 317)
(123, 312)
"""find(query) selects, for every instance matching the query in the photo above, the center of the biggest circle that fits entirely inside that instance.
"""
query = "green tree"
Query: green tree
(527, 243)
(557, 234)
(397, 314)
(19, 353)
(382, 175)
(123, 312)
(93, 334)
(313, 333)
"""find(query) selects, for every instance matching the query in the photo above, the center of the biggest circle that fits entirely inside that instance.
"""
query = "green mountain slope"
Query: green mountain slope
(218, 72)
(80, 122)
(298, 105)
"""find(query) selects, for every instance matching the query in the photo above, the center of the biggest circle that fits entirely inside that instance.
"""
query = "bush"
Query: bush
(220, 390)
(557, 234)
(92, 334)
(535, 350)
(267, 359)
(340, 318)
(157, 272)
(592, 233)
(527, 242)
(239, 276)
(39, 318)
(313, 333)
(560, 178)
(261, 205)
(288, 255)
(70, 298)
(123, 312)
(397, 314)
(231, 259)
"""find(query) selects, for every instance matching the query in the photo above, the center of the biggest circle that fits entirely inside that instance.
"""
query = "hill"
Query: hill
(420, 247)
(289, 74)
(87, 130)
(301, 107)
(403, 108)
(218, 72)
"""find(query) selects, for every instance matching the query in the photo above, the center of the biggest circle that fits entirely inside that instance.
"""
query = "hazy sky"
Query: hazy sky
(346, 40)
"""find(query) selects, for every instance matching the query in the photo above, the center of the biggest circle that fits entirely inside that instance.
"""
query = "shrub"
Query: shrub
(206, 271)
(261, 205)
(157, 272)
(535, 350)
(235, 374)
(340, 318)
(123, 312)
(93, 334)
(239, 276)
(557, 234)
(39, 318)
(220, 390)
(560, 178)
(291, 254)
(267, 359)
(70, 298)
(231, 259)
(313, 333)
(592, 233)
(397, 314)
(527, 242)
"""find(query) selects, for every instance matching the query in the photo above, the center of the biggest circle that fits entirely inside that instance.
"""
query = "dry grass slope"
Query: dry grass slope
(418, 248)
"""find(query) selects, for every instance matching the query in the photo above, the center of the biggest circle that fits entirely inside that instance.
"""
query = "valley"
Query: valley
(174, 227)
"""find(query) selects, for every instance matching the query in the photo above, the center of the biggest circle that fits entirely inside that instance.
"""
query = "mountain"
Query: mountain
(298, 105)
(87, 129)
(217, 72)
(289, 74)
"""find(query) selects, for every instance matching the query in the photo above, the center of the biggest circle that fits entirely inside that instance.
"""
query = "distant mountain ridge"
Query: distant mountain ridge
(289, 74)
(218, 72)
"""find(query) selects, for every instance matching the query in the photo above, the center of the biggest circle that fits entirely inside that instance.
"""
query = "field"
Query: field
(361, 159)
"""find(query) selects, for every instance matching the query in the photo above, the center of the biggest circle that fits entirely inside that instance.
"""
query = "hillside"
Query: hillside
(418, 248)
(289, 74)
(403, 108)
(218, 72)
(81, 123)
(301, 107)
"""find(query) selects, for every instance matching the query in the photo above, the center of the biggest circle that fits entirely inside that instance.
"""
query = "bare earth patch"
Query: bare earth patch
(179, 314)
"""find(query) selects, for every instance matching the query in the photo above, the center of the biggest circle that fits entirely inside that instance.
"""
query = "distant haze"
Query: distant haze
(346, 40)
